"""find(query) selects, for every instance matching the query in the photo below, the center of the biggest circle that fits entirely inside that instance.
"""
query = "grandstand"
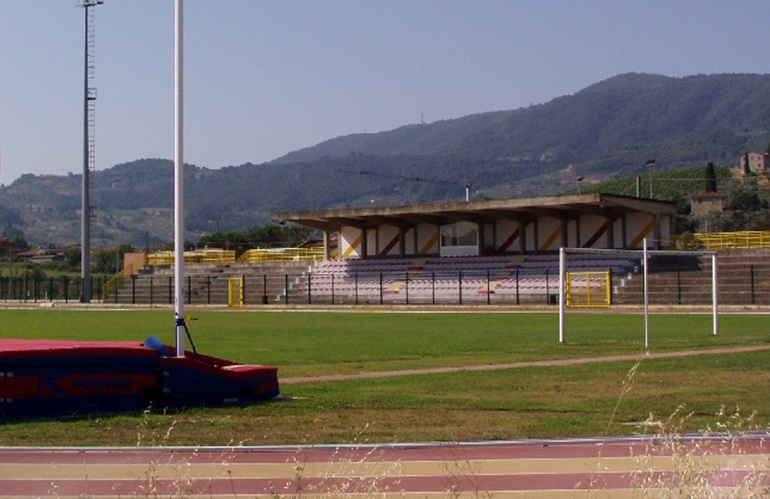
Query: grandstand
(481, 252)
(453, 280)
(744, 279)
(458, 280)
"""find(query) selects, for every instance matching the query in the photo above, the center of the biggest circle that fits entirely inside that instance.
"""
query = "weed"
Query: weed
(364, 476)
(713, 464)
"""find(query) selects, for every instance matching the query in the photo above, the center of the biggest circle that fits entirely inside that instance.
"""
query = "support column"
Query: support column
(671, 227)
(579, 240)
(624, 228)
(364, 243)
(480, 239)
(656, 231)
(610, 221)
(327, 249)
(564, 232)
(494, 236)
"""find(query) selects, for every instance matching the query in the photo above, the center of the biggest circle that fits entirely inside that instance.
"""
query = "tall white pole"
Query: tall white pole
(562, 304)
(179, 176)
(645, 263)
(714, 288)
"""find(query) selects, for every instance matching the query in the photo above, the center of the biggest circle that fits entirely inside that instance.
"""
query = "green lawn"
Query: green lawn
(548, 402)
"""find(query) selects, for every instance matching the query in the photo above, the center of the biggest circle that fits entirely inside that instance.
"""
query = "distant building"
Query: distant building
(755, 162)
(706, 203)
(39, 255)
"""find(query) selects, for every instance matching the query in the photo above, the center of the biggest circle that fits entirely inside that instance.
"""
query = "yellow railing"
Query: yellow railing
(199, 256)
(136, 264)
(725, 240)
(588, 289)
(282, 255)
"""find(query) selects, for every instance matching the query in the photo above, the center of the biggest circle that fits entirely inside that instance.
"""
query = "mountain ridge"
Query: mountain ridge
(606, 130)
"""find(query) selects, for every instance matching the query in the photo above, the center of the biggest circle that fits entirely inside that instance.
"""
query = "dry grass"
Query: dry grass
(712, 464)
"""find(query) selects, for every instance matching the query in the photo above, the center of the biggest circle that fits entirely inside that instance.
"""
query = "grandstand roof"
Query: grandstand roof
(570, 206)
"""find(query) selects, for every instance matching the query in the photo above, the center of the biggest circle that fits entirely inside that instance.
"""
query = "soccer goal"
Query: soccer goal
(567, 283)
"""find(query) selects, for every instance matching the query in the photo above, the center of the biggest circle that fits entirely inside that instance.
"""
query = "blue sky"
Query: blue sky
(264, 78)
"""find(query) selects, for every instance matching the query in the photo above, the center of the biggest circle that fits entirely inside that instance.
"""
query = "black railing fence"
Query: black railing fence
(426, 288)
(47, 289)
(737, 284)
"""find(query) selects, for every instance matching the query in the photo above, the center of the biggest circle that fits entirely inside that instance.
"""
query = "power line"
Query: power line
(414, 178)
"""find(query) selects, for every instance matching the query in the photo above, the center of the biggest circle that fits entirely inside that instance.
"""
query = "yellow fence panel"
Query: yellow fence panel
(235, 292)
(735, 240)
(137, 263)
(198, 256)
(588, 289)
(282, 255)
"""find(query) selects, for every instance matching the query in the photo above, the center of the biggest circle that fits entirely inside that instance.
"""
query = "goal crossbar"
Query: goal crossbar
(645, 254)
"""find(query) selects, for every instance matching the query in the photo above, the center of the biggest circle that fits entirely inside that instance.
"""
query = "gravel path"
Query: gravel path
(518, 365)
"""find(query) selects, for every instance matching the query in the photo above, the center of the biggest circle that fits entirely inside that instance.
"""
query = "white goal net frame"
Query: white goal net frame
(645, 253)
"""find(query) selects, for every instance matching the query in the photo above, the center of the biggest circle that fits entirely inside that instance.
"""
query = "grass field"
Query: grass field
(542, 402)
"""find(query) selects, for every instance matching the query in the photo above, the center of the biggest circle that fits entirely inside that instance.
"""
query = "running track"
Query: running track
(618, 468)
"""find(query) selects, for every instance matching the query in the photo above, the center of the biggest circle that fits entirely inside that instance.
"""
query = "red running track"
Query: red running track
(618, 468)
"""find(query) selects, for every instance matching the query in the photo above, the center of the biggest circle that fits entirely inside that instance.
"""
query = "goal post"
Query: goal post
(645, 254)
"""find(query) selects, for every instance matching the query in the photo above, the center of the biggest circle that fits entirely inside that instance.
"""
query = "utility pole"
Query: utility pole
(650, 163)
(89, 105)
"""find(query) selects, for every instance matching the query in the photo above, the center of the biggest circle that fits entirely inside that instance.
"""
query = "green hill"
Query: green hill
(617, 123)
(605, 131)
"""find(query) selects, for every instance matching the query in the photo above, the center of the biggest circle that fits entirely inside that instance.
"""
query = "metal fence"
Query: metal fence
(738, 285)
(199, 256)
(47, 289)
(259, 255)
(723, 240)
(427, 288)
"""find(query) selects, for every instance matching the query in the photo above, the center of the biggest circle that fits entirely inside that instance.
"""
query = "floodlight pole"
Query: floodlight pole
(179, 323)
(89, 98)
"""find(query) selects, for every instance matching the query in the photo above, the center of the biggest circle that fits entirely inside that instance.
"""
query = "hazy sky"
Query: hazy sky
(264, 78)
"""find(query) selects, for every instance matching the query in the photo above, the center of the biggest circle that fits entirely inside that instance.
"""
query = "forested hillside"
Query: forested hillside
(605, 131)
(616, 123)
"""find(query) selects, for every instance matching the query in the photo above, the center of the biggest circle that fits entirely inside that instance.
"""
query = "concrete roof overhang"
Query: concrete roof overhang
(561, 207)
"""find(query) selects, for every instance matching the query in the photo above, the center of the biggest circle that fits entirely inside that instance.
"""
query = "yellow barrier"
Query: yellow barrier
(593, 289)
(282, 255)
(199, 256)
(137, 263)
(726, 240)
(235, 291)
